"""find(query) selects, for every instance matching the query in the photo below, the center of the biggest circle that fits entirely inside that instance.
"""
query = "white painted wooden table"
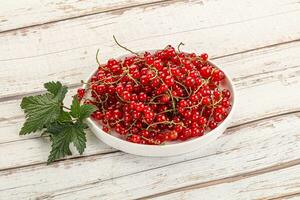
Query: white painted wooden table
(257, 43)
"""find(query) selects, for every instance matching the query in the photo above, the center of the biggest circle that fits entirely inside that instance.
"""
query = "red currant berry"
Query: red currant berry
(80, 93)
(226, 93)
(205, 71)
(204, 56)
(169, 80)
(189, 81)
(212, 124)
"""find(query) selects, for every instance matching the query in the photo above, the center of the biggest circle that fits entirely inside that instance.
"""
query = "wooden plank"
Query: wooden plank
(282, 184)
(262, 146)
(256, 74)
(19, 14)
(66, 50)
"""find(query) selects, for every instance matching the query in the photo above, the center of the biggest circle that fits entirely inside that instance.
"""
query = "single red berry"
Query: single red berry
(101, 89)
(97, 115)
(80, 93)
(126, 95)
(128, 88)
(189, 81)
(144, 79)
(212, 124)
(142, 96)
(225, 102)
(205, 100)
(136, 75)
(172, 135)
(140, 107)
(205, 71)
(226, 93)
(105, 129)
(135, 138)
(216, 94)
(217, 75)
(165, 98)
(187, 132)
(155, 82)
(111, 89)
(136, 114)
(119, 89)
(220, 109)
(149, 59)
(218, 117)
(204, 56)
(145, 133)
(111, 62)
(183, 103)
(202, 120)
(162, 89)
(134, 97)
(115, 69)
(169, 80)
(158, 65)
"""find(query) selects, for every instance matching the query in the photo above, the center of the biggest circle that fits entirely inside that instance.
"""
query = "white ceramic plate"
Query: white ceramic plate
(168, 149)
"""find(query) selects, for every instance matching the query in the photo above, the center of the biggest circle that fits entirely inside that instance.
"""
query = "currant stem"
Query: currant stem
(122, 98)
(194, 106)
(173, 101)
(135, 81)
(124, 47)
(199, 87)
(155, 97)
(149, 140)
(97, 57)
(184, 88)
(132, 125)
(178, 47)
(165, 111)
(101, 66)
(164, 122)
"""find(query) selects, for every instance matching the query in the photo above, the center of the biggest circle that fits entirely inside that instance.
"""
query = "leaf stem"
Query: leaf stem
(66, 108)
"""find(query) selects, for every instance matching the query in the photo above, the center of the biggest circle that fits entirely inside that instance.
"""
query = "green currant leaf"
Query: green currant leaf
(60, 144)
(40, 111)
(64, 117)
(81, 112)
(63, 137)
(86, 110)
(45, 112)
(54, 128)
(57, 89)
(79, 138)
(75, 108)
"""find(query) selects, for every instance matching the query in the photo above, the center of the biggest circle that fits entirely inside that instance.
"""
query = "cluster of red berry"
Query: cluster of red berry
(156, 97)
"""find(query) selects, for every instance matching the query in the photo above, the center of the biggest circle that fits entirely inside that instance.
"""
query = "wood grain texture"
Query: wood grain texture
(255, 74)
(261, 145)
(66, 50)
(256, 42)
(282, 184)
(27, 13)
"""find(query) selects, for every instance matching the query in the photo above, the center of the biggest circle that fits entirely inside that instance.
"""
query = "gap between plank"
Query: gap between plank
(282, 196)
(85, 15)
(229, 179)
(75, 85)
(258, 48)
(79, 157)
(63, 159)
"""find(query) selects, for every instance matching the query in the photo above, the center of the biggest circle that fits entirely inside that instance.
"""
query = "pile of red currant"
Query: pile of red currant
(158, 97)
